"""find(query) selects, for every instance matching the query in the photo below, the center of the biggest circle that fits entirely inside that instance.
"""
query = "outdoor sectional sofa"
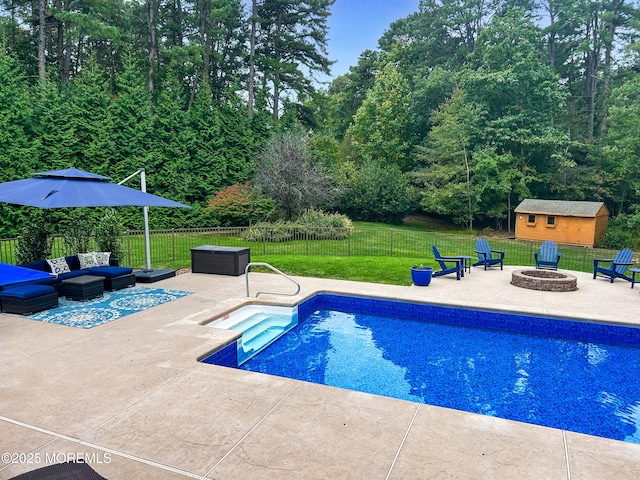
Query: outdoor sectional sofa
(34, 295)
(115, 277)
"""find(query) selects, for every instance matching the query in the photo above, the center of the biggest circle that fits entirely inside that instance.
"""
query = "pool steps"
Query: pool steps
(260, 327)
(264, 330)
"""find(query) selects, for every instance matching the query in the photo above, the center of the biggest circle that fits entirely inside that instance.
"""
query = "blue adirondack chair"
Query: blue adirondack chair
(448, 265)
(548, 256)
(616, 267)
(485, 255)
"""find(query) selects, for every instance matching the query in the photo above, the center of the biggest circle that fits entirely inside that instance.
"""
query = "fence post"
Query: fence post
(584, 259)
(128, 248)
(173, 244)
(391, 244)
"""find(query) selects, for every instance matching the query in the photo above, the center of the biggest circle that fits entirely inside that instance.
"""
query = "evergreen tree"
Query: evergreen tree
(129, 122)
(292, 38)
(16, 131)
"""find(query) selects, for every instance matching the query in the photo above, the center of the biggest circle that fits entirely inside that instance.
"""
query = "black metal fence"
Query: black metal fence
(171, 248)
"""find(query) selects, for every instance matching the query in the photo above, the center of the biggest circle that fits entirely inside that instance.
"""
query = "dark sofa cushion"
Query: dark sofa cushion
(46, 281)
(71, 274)
(41, 265)
(73, 262)
(26, 291)
(109, 272)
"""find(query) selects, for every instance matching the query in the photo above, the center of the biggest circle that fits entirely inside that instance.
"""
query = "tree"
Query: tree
(42, 47)
(152, 42)
(376, 193)
(621, 148)
(425, 36)
(293, 37)
(428, 93)
(131, 126)
(17, 152)
(72, 122)
(448, 178)
(220, 39)
(498, 179)
(521, 96)
(252, 56)
(347, 93)
(379, 130)
(285, 173)
(108, 232)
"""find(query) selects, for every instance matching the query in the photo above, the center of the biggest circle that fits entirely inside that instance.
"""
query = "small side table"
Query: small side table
(633, 275)
(83, 287)
(466, 262)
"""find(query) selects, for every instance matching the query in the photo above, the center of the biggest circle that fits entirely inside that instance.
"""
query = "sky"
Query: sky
(357, 25)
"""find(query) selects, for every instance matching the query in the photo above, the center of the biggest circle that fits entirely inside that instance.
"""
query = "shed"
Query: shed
(563, 221)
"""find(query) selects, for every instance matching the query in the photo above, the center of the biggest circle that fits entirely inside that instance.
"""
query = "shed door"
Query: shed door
(576, 232)
(572, 234)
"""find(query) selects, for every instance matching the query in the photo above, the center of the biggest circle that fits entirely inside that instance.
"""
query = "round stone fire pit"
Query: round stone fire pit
(544, 280)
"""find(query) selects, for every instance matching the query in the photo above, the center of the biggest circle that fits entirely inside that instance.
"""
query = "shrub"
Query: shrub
(622, 232)
(34, 242)
(108, 234)
(318, 225)
(240, 205)
(279, 231)
(313, 224)
(78, 234)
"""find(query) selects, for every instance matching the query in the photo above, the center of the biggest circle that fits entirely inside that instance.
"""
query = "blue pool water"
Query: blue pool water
(564, 374)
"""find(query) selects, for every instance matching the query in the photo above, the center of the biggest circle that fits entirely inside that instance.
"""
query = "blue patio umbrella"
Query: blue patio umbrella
(76, 188)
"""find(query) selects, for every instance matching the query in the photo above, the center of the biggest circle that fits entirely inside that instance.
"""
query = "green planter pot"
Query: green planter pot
(421, 276)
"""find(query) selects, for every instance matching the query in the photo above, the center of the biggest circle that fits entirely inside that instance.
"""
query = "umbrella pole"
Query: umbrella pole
(148, 275)
(147, 248)
(145, 213)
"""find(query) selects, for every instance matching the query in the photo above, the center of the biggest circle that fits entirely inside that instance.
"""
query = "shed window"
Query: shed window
(551, 221)
(532, 219)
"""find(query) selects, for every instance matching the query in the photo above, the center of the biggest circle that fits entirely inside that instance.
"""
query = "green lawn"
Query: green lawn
(389, 270)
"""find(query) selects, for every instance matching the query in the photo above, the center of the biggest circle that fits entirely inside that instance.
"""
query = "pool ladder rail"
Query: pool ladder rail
(263, 264)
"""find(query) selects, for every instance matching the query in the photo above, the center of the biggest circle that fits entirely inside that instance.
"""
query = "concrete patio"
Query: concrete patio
(131, 398)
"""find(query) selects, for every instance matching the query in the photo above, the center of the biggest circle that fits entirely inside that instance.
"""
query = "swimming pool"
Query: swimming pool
(577, 376)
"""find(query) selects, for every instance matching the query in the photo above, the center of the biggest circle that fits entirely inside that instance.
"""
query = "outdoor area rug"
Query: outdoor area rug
(111, 306)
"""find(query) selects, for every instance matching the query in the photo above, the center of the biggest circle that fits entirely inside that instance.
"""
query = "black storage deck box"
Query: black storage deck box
(219, 260)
